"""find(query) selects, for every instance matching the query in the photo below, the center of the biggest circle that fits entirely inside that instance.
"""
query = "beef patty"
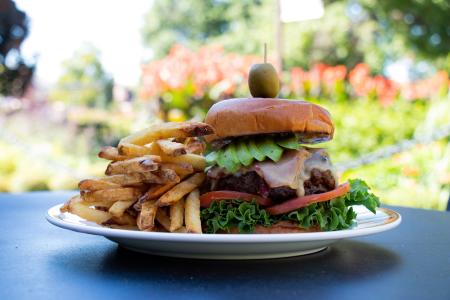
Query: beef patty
(251, 182)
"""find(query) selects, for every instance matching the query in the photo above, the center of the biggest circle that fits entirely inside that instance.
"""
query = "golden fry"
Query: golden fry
(197, 161)
(157, 190)
(131, 150)
(111, 153)
(165, 176)
(96, 185)
(171, 148)
(101, 204)
(181, 189)
(82, 209)
(66, 206)
(146, 220)
(124, 220)
(167, 130)
(119, 207)
(112, 195)
(163, 218)
(182, 229)
(176, 215)
(134, 179)
(192, 212)
(181, 169)
(141, 164)
(194, 145)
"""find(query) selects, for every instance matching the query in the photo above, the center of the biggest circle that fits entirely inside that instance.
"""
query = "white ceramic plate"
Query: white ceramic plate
(229, 246)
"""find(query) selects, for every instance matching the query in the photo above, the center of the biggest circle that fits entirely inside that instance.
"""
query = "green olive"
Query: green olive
(263, 81)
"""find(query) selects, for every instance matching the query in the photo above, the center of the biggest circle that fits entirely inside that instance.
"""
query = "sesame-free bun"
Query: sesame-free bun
(251, 116)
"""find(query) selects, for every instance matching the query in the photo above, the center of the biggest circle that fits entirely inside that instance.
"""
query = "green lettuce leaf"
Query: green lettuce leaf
(331, 215)
(360, 195)
(228, 214)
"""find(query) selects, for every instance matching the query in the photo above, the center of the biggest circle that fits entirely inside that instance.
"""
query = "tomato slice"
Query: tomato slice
(303, 201)
(208, 198)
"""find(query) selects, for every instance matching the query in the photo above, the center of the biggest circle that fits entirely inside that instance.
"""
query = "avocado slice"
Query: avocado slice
(211, 158)
(255, 152)
(270, 149)
(231, 150)
(244, 155)
(225, 160)
(289, 143)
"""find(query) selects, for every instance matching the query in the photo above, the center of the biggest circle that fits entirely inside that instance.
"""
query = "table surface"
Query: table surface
(40, 261)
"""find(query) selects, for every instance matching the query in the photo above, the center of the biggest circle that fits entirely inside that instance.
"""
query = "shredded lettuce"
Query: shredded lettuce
(331, 215)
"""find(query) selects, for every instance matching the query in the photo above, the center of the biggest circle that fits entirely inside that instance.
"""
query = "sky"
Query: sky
(59, 28)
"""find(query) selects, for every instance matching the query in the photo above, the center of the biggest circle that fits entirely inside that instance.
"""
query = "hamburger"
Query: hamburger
(265, 173)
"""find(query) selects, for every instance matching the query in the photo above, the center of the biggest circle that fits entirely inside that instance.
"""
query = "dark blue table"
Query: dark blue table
(40, 261)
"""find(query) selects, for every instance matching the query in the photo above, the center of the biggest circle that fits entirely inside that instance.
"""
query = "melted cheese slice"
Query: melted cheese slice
(286, 172)
(294, 168)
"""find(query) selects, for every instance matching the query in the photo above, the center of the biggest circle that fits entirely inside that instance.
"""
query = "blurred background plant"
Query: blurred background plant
(380, 67)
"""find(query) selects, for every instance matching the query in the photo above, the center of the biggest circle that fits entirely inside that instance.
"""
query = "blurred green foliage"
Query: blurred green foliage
(421, 25)
(197, 22)
(334, 39)
(84, 80)
(374, 32)
(364, 125)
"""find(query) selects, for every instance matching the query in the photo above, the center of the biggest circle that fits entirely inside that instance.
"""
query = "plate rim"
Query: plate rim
(394, 220)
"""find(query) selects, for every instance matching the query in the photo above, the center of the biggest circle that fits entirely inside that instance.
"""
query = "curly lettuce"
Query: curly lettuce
(336, 214)
(228, 214)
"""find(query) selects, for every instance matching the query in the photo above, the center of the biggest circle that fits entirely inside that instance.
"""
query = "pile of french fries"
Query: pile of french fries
(151, 182)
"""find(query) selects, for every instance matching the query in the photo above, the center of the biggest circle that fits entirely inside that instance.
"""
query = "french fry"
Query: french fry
(105, 205)
(182, 169)
(181, 189)
(82, 209)
(119, 207)
(141, 164)
(197, 161)
(171, 148)
(131, 150)
(167, 130)
(182, 229)
(163, 218)
(192, 212)
(133, 179)
(176, 215)
(194, 145)
(124, 220)
(139, 179)
(165, 176)
(96, 185)
(66, 206)
(156, 191)
(111, 153)
(146, 220)
(112, 195)
(150, 169)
